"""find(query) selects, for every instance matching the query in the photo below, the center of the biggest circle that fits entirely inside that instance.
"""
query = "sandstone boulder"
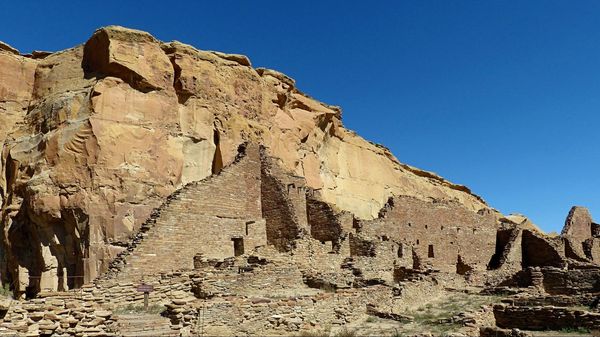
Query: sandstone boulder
(132, 55)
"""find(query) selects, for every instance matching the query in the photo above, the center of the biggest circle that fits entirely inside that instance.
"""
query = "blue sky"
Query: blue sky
(502, 96)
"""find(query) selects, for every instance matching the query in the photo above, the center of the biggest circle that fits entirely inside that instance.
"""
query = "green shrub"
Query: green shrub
(137, 309)
(5, 290)
(316, 333)
(578, 330)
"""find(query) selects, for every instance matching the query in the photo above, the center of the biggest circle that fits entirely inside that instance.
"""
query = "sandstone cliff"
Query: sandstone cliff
(97, 135)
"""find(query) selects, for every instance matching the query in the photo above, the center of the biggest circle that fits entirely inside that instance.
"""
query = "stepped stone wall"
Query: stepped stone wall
(226, 224)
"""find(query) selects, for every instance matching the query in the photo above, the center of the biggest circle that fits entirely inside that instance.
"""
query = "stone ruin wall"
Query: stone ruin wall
(283, 205)
(327, 225)
(444, 236)
(226, 224)
(557, 281)
(96, 136)
(544, 318)
(68, 186)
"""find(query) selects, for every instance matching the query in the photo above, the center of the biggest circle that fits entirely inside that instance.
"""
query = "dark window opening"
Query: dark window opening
(238, 246)
(430, 252)
(417, 241)
(442, 228)
(248, 223)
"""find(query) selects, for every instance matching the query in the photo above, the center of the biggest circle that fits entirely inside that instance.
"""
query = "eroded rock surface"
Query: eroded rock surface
(96, 135)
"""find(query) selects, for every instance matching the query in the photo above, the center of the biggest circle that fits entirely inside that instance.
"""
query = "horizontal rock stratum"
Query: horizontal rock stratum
(94, 137)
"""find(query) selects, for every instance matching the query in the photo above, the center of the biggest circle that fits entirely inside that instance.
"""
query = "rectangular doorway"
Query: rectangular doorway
(238, 246)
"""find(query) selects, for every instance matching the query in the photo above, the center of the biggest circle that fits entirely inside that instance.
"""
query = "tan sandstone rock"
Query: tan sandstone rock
(98, 135)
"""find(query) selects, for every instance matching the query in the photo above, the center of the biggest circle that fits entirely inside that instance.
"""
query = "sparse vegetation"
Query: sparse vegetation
(397, 333)
(345, 332)
(137, 309)
(316, 333)
(370, 319)
(578, 330)
(5, 290)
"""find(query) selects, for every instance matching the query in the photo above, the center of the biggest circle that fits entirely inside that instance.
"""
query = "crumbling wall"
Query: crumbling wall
(509, 254)
(544, 318)
(439, 232)
(539, 250)
(325, 224)
(571, 281)
(278, 316)
(283, 199)
(591, 248)
(577, 229)
(226, 224)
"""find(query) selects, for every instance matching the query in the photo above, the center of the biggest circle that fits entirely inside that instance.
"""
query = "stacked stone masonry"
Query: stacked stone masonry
(211, 218)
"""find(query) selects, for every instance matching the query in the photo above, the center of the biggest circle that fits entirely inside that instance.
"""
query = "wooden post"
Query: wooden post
(146, 289)
(146, 295)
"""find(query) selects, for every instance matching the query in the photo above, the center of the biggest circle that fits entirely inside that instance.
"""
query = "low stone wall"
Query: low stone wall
(114, 294)
(554, 300)
(544, 318)
(58, 315)
(278, 316)
(270, 279)
(492, 331)
(577, 281)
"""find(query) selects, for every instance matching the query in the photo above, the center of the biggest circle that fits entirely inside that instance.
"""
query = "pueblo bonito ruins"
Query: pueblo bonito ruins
(242, 206)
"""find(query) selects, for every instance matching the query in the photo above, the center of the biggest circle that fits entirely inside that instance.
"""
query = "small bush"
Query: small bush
(5, 290)
(316, 333)
(137, 309)
(370, 319)
(345, 332)
(578, 330)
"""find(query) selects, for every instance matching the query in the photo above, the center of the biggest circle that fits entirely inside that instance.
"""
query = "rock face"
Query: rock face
(577, 229)
(97, 135)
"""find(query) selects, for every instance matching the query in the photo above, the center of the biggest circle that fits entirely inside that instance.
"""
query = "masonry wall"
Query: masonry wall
(544, 318)
(591, 248)
(283, 200)
(278, 316)
(571, 282)
(539, 250)
(233, 193)
(325, 224)
(204, 219)
(509, 253)
(440, 232)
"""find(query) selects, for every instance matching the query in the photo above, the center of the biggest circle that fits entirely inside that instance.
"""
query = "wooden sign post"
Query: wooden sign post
(146, 289)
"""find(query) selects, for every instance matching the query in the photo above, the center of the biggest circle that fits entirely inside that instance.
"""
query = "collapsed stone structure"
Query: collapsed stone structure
(96, 136)
(128, 160)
